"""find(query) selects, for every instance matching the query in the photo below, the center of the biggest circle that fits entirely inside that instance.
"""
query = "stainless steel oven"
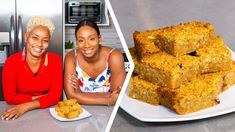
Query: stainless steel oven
(80, 9)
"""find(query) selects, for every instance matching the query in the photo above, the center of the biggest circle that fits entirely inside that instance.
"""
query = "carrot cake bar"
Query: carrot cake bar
(143, 90)
(202, 92)
(144, 42)
(184, 38)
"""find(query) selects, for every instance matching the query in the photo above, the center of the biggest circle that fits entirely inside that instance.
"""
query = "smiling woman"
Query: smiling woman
(94, 74)
(32, 78)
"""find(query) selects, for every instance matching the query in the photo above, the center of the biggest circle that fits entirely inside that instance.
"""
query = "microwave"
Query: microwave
(84, 9)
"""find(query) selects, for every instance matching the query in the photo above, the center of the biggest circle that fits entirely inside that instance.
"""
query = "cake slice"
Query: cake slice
(142, 90)
(144, 42)
(202, 92)
(215, 56)
(167, 70)
(135, 60)
(228, 78)
(184, 38)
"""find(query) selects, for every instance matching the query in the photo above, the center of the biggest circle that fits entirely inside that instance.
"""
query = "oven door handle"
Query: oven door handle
(20, 34)
(12, 35)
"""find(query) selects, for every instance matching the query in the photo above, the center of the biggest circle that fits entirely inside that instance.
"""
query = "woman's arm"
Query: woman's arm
(117, 68)
(73, 91)
(16, 111)
(11, 95)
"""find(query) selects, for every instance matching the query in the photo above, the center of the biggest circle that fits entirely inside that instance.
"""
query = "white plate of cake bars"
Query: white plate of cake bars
(84, 114)
(151, 113)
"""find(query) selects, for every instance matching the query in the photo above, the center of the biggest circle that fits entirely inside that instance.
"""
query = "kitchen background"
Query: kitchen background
(107, 29)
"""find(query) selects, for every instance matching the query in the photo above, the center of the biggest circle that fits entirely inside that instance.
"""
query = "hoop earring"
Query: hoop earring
(46, 60)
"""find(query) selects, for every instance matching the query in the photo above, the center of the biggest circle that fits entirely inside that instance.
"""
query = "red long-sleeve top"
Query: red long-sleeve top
(20, 83)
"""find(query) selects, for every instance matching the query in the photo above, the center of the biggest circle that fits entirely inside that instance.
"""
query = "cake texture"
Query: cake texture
(215, 56)
(202, 92)
(135, 60)
(143, 90)
(167, 70)
(144, 42)
(184, 38)
(228, 78)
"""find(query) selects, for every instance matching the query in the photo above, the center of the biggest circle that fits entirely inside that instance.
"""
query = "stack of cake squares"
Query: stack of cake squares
(183, 67)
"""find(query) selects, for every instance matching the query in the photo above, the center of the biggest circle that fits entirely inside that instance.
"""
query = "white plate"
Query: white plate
(83, 115)
(150, 113)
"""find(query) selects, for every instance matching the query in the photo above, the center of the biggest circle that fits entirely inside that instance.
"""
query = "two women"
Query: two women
(32, 78)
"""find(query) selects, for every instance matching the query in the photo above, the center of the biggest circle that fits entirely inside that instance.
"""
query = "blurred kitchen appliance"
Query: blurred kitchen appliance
(4, 47)
(14, 15)
(126, 63)
(80, 9)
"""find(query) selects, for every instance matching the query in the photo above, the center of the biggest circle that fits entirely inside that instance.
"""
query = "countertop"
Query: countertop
(123, 122)
(40, 120)
(143, 15)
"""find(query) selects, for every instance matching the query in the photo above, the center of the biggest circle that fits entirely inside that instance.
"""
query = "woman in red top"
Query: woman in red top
(32, 78)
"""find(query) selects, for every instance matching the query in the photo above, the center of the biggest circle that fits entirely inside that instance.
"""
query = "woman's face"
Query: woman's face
(37, 41)
(88, 41)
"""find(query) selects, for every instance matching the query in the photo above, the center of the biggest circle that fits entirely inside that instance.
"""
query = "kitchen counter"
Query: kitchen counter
(143, 15)
(40, 120)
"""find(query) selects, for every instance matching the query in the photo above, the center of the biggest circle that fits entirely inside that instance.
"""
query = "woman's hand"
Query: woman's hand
(114, 96)
(73, 81)
(14, 112)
